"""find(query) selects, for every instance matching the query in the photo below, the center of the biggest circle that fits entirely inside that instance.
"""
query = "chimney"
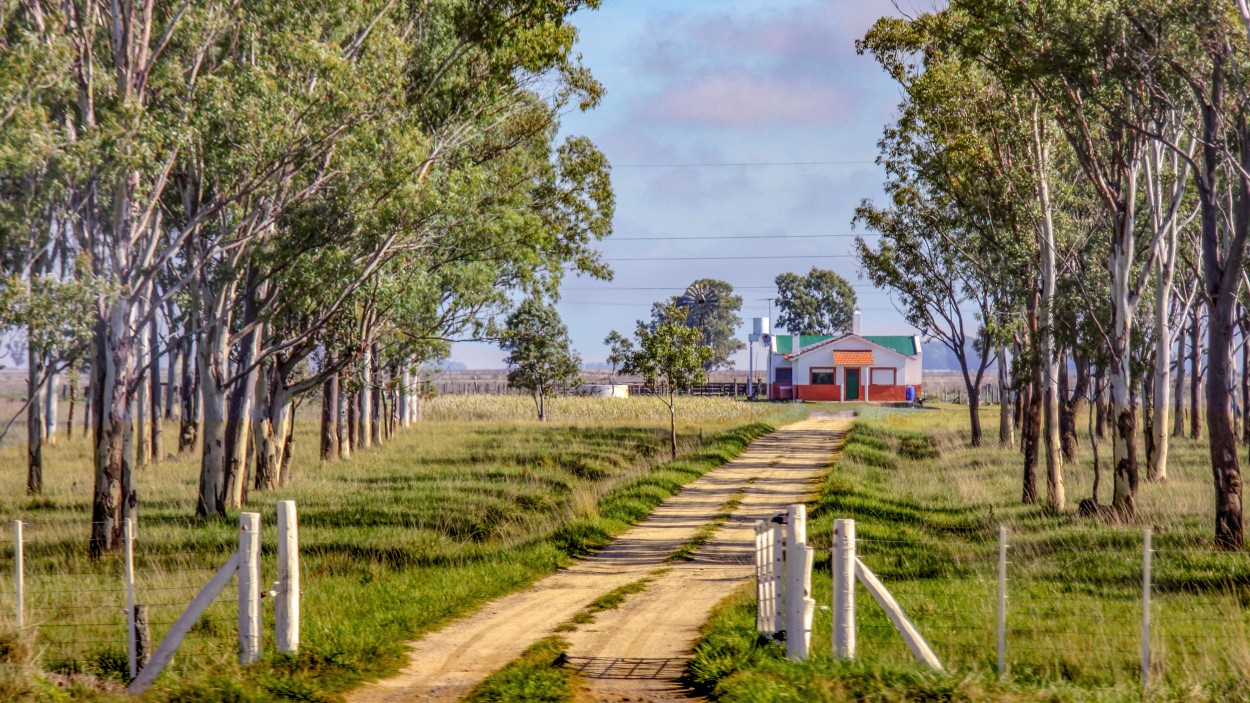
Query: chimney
(855, 324)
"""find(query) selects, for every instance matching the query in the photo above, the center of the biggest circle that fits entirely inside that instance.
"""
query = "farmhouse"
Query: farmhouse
(855, 366)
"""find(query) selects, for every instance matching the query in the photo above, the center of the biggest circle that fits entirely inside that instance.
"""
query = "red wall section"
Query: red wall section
(821, 392)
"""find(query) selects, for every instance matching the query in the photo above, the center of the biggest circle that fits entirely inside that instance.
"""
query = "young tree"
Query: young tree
(710, 306)
(540, 357)
(670, 357)
(822, 302)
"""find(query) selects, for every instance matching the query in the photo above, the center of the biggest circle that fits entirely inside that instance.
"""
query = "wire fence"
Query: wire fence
(1094, 613)
(74, 608)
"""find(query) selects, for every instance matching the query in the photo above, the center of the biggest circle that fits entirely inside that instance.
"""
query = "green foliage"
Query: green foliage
(670, 356)
(540, 358)
(821, 302)
(710, 306)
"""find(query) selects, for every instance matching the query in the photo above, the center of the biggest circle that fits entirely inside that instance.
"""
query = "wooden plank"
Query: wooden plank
(182, 626)
(923, 653)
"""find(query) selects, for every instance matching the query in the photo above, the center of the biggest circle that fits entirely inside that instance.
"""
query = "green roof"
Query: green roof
(902, 344)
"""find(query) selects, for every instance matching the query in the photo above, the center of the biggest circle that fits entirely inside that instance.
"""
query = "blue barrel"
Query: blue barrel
(911, 394)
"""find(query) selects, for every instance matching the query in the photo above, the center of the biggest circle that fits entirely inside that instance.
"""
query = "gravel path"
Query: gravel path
(637, 651)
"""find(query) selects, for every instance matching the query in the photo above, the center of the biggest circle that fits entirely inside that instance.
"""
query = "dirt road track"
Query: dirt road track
(656, 627)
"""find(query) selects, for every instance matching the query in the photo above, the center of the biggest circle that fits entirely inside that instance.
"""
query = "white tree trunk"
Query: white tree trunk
(49, 407)
(1006, 425)
(211, 355)
(364, 436)
(1055, 496)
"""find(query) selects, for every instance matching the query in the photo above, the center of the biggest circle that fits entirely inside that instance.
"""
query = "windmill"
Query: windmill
(698, 298)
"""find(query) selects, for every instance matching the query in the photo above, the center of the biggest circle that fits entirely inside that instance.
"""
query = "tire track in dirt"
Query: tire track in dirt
(775, 470)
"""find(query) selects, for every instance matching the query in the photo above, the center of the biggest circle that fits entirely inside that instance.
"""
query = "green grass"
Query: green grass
(703, 534)
(927, 510)
(608, 601)
(537, 676)
(396, 541)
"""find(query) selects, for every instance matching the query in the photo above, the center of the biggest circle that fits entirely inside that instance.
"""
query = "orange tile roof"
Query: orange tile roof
(846, 357)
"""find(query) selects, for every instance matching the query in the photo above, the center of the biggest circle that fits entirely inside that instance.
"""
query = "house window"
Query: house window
(883, 377)
(823, 377)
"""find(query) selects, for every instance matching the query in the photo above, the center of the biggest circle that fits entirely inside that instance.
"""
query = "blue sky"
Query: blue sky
(726, 82)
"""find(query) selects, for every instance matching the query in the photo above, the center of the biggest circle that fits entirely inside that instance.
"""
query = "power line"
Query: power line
(750, 236)
(612, 289)
(732, 258)
(745, 163)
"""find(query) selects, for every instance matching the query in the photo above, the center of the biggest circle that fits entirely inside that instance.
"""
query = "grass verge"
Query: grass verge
(927, 509)
(537, 676)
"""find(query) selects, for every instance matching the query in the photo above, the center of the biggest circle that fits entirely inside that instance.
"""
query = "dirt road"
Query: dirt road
(655, 627)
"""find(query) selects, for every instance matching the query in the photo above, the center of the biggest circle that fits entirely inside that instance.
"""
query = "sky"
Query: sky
(714, 113)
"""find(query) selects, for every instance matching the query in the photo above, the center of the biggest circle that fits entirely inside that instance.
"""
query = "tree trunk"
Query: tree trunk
(52, 388)
(288, 445)
(330, 415)
(1178, 394)
(1148, 417)
(241, 409)
(171, 371)
(1245, 379)
(974, 414)
(212, 363)
(375, 394)
(34, 421)
(154, 392)
(263, 429)
(73, 399)
(346, 421)
(1225, 464)
(1055, 494)
(1030, 431)
(141, 449)
(353, 424)
(364, 436)
(1195, 376)
(187, 425)
(111, 369)
(1070, 404)
(672, 424)
(1006, 430)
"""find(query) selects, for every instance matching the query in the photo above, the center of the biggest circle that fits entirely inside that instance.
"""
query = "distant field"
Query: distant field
(928, 509)
(451, 512)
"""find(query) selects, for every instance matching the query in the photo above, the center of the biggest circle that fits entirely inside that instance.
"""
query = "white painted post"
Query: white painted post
(915, 642)
(1002, 601)
(1145, 610)
(286, 603)
(798, 583)
(844, 589)
(761, 578)
(128, 576)
(19, 573)
(778, 590)
(249, 588)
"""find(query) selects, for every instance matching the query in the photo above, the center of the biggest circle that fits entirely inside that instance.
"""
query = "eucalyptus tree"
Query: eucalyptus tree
(540, 357)
(821, 302)
(710, 306)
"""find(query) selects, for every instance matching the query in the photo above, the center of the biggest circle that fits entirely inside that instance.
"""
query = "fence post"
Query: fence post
(286, 603)
(128, 576)
(249, 587)
(19, 573)
(843, 567)
(778, 590)
(1145, 610)
(1002, 601)
(762, 563)
(799, 604)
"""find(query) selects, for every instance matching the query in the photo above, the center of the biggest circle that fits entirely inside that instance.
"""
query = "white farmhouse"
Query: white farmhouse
(852, 367)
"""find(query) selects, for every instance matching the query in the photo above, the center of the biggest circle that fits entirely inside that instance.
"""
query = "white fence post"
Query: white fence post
(249, 588)
(762, 577)
(799, 604)
(778, 591)
(286, 602)
(19, 573)
(1002, 600)
(128, 576)
(844, 589)
(1145, 610)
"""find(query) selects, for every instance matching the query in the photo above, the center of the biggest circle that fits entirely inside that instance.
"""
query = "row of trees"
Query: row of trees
(1069, 187)
(260, 199)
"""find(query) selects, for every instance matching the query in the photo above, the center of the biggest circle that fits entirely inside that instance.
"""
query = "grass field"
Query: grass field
(927, 510)
(450, 513)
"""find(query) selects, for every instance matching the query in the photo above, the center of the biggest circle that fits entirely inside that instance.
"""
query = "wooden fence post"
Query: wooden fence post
(19, 573)
(128, 576)
(844, 589)
(778, 591)
(286, 602)
(249, 588)
(799, 605)
(1145, 609)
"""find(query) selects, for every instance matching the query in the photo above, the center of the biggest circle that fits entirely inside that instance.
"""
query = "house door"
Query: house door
(852, 384)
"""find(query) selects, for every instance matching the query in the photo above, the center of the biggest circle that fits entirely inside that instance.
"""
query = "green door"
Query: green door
(852, 384)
